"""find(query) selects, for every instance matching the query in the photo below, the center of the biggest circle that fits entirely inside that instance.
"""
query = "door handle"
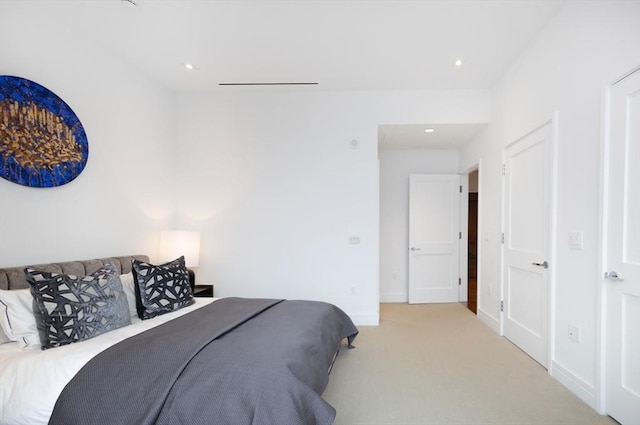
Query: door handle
(544, 265)
(413, 248)
(613, 276)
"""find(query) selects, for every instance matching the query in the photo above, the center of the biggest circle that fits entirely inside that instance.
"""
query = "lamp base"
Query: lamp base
(192, 279)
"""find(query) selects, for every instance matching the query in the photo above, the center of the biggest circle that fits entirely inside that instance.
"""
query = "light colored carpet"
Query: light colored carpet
(438, 364)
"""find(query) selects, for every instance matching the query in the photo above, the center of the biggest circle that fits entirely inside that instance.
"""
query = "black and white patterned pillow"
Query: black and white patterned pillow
(161, 288)
(72, 308)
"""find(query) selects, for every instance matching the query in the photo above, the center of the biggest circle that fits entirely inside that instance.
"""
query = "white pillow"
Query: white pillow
(16, 317)
(3, 338)
(128, 285)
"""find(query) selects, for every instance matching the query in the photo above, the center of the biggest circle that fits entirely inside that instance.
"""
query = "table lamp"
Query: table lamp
(175, 243)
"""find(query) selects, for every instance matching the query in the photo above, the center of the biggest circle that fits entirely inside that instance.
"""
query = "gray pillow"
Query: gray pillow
(72, 308)
(160, 289)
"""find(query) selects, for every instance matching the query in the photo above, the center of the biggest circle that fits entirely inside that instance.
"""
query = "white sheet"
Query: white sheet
(32, 379)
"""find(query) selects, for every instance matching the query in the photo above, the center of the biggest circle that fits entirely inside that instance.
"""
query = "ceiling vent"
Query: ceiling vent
(268, 84)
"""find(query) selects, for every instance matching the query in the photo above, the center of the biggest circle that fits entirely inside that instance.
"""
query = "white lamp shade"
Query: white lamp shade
(174, 243)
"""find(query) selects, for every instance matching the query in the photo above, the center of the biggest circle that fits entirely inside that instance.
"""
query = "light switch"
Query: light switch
(575, 240)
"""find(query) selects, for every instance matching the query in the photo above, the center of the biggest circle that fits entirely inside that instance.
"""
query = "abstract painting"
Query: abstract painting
(42, 142)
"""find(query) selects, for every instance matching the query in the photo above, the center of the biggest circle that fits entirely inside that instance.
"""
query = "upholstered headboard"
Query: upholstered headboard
(13, 277)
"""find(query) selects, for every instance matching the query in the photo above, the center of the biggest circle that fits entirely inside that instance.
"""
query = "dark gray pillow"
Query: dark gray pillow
(161, 288)
(72, 308)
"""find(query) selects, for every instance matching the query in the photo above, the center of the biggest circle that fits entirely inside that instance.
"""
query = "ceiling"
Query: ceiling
(339, 44)
(413, 136)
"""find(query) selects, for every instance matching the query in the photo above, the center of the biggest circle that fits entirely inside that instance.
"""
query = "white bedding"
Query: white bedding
(32, 379)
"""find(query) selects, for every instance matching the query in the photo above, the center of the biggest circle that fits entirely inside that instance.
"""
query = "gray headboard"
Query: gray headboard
(13, 277)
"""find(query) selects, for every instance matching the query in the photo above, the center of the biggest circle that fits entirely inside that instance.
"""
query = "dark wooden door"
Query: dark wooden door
(472, 272)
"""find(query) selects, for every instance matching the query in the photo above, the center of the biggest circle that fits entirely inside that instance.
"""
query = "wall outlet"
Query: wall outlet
(574, 333)
(354, 239)
(353, 290)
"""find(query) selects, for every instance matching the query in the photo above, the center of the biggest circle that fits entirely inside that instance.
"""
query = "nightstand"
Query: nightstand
(203, 291)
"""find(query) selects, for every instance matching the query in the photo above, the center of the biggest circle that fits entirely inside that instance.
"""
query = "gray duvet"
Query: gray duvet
(236, 361)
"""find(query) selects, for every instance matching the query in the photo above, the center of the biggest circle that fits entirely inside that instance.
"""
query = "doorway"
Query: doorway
(472, 243)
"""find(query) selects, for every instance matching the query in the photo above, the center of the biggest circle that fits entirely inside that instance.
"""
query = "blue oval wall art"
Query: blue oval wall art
(42, 142)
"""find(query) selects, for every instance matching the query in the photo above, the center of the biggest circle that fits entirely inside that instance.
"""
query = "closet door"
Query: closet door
(621, 256)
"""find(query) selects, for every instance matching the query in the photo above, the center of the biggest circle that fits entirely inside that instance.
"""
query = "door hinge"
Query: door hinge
(501, 305)
(502, 239)
(503, 169)
(459, 235)
(460, 281)
(460, 188)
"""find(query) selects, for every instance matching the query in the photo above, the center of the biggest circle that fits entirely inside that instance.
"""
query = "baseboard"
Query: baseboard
(489, 320)
(581, 389)
(363, 319)
(394, 297)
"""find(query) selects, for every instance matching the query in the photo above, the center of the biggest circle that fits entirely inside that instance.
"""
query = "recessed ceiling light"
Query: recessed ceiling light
(188, 66)
(458, 62)
(429, 130)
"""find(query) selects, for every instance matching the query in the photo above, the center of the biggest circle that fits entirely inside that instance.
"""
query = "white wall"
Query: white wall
(585, 47)
(271, 181)
(125, 193)
(395, 167)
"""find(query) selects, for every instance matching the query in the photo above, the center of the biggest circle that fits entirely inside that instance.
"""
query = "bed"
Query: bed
(212, 361)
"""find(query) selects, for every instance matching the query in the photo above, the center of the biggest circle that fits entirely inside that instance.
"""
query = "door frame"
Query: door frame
(463, 272)
(552, 241)
(464, 226)
(601, 299)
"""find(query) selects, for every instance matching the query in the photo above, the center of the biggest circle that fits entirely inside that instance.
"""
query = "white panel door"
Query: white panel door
(434, 238)
(526, 243)
(622, 253)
